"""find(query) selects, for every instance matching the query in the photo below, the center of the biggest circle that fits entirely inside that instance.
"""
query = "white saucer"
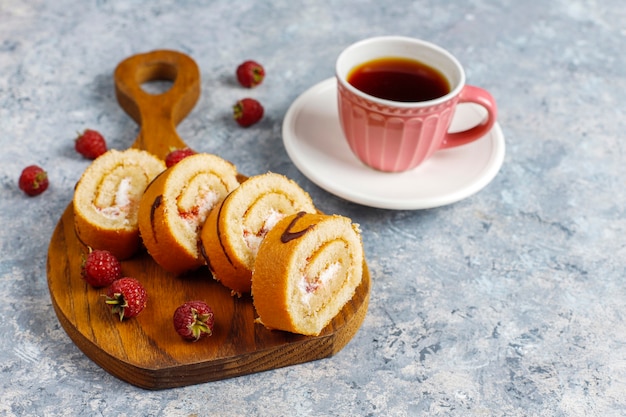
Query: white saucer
(313, 139)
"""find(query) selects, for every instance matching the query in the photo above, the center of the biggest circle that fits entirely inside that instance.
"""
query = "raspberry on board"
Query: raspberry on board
(194, 320)
(127, 297)
(177, 155)
(100, 268)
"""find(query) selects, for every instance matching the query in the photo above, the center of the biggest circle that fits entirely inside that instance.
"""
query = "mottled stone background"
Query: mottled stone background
(509, 303)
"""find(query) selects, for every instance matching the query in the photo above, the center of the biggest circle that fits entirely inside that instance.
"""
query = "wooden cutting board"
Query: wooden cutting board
(146, 351)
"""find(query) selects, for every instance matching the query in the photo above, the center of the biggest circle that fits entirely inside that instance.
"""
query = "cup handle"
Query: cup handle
(472, 94)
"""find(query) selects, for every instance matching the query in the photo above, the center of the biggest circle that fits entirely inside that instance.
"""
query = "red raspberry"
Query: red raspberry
(194, 320)
(177, 155)
(101, 268)
(90, 144)
(250, 74)
(247, 112)
(33, 180)
(127, 297)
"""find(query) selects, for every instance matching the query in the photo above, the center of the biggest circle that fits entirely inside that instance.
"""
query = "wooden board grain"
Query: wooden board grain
(146, 351)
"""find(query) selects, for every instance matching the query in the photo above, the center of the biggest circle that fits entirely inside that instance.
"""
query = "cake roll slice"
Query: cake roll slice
(233, 232)
(175, 206)
(307, 268)
(106, 200)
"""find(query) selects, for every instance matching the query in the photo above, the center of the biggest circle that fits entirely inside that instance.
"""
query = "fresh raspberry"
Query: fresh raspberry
(90, 144)
(177, 155)
(247, 112)
(250, 74)
(33, 180)
(194, 320)
(100, 268)
(126, 297)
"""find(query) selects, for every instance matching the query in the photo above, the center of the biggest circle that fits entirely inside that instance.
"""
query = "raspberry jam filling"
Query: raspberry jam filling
(308, 286)
(253, 240)
(195, 215)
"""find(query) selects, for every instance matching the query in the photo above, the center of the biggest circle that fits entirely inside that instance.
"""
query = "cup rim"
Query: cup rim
(455, 91)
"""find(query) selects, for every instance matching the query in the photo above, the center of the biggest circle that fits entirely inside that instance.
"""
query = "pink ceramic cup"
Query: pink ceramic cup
(395, 136)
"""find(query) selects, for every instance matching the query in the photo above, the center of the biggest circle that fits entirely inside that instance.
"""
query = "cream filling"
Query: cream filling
(253, 240)
(195, 217)
(308, 286)
(121, 203)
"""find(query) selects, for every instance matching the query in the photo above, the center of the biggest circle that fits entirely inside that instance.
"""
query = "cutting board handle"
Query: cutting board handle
(158, 114)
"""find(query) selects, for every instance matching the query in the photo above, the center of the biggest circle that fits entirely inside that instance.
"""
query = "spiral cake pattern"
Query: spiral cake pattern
(233, 232)
(308, 267)
(175, 206)
(106, 200)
